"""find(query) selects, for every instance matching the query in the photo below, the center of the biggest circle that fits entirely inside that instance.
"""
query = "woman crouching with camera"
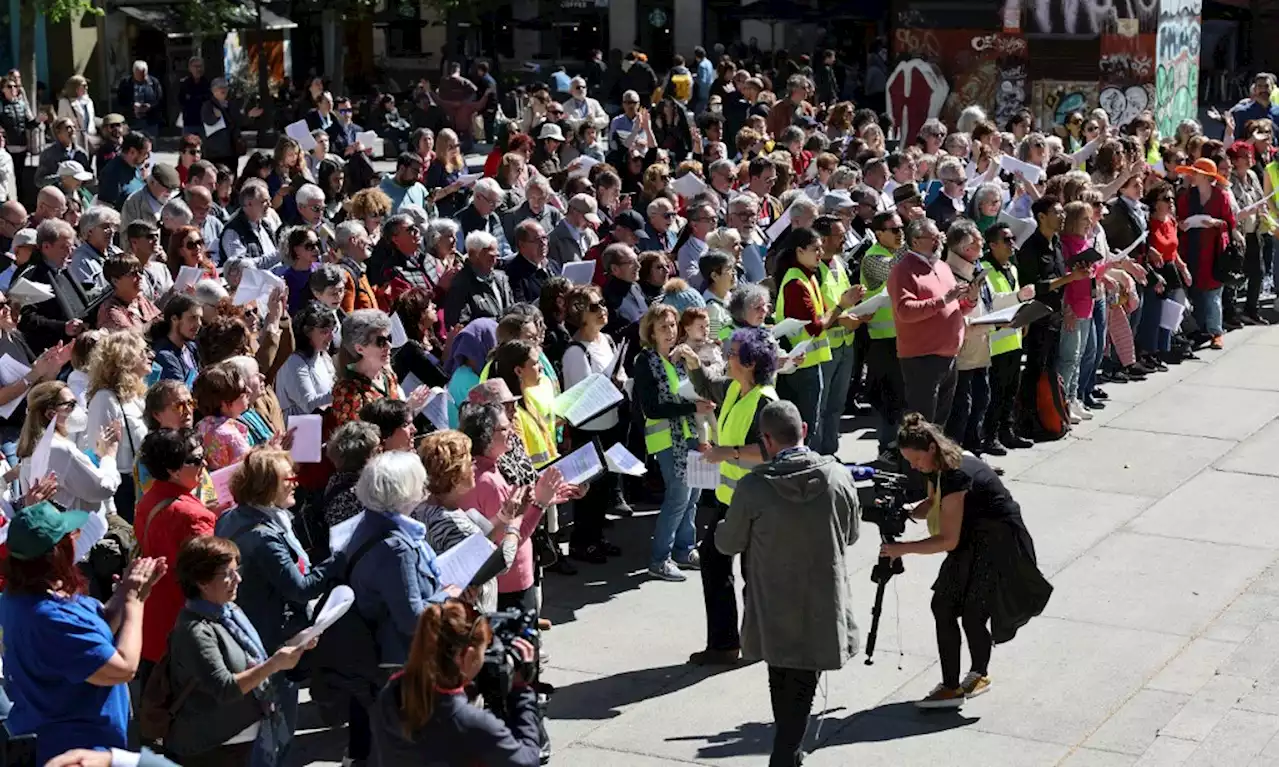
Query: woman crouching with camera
(989, 575)
(423, 713)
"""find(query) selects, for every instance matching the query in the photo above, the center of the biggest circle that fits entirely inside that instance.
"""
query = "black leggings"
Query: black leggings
(974, 620)
(791, 691)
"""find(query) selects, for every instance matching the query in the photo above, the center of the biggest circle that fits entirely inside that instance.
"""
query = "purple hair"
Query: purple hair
(757, 350)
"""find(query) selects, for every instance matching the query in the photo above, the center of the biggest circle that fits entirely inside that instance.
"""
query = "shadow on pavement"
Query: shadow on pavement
(604, 697)
(893, 721)
(750, 738)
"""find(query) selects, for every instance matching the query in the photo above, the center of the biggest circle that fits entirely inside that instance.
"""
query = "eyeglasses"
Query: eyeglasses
(596, 306)
(669, 215)
(315, 208)
(382, 342)
(194, 460)
(292, 479)
(65, 405)
(192, 244)
(192, 150)
(894, 229)
(311, 245)
(185, 405)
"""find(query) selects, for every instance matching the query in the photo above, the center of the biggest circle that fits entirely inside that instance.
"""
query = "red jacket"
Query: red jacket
(185, 518)
(1201, 247)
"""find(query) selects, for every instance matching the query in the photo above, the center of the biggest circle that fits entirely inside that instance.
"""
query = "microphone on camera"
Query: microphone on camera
(861, 472)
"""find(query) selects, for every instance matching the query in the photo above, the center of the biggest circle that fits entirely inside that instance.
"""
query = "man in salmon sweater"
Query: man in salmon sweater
(929, 318)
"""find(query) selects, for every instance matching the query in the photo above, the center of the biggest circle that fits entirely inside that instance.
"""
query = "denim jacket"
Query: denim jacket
(275, 591)
(395, 580)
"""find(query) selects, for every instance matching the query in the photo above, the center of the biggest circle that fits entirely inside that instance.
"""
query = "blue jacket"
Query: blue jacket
(116, 181)
(393, 582)
(172, 368)
(274, 593)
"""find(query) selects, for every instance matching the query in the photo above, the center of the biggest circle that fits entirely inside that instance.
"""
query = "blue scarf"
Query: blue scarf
(279, 519)
(237, 624)
(259, 430)
(417, 532)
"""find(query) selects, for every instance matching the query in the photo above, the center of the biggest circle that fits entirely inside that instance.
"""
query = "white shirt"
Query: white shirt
(304, 385)
(81, 486)
(105, 407)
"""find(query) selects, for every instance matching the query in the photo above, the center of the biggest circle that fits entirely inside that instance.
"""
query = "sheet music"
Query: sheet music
(689, 185)
(410, 383)
(1171, 314)
(301, 133)
(256, 285)
(10, 371)
(1013, 165)
(871, 305)
(437, 408)
(42, 453)
(588, 398)
(1200, 221)
(335, 606)
(368, 139)
(579, 272)
(459, 564)
(687, 391)
(580, 465)
(999, 317)
(1125, 253)
(307, 439)
(789, 326)
(222, 483)
(699, 474)
(398, 336)
(340, 534)
(778, 227)
(621, 461)
(188, 276)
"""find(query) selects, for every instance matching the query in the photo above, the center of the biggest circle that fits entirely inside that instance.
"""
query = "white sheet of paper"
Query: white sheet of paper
(256, 285)
(340, 600)
(368, 139)
(789, 326)
(222, 483)
(687, 391)
(688, 185)
(1132, 247)
(621, 461)
(10, 371)
(800, 349)
(212, 128)
(340, 534)
(307, 438)
(871, 305)
(778, 227)
(579, 272)
(1198, 222)
(1013, 165)
(582, 165)
(998, 317)
(587, 399)
(458, 565)
(437, 408)
(1259, 205)
(94, 528)
(28, 293)
(579, 466)
(398, 336)
(1171, 314)
(40, 456)
(1022, 228)
(699, 474)
(301, 133)
(410, 383)
(469, 179)
(187, 276)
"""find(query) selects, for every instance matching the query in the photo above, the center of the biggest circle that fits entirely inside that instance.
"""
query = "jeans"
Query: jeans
(719, 595)
(929, 386)
(1207, 305)
(974, 619)
(1071, 348)
(272, 746)
(674, 532)
(791, 692)
(969, 408)
(1092, 357)
(1003, 375)
(804, 389)
(836, 376)
(1254, 271)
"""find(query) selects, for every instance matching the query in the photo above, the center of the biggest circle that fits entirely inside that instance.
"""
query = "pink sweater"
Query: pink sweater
(1078, 295)
(490, 492)
(926, 324)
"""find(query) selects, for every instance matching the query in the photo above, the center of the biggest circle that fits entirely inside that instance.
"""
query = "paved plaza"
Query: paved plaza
(1156, 523)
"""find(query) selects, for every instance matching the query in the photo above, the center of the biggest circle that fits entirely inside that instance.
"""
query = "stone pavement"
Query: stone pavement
(1156, 523)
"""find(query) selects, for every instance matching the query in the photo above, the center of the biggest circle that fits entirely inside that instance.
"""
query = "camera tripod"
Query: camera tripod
(884, 570)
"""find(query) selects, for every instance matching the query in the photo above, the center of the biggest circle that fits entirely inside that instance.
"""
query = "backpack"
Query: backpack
(1053, 419)
(345, 661)
(109, 557)
(159, 706)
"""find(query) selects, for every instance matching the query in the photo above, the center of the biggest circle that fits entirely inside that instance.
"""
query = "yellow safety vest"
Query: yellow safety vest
(538, 436)
(820, 350)
(1007, 339)
(484, 371)
(736, 417)
(833, 281)
(657, 431)
(881, 325)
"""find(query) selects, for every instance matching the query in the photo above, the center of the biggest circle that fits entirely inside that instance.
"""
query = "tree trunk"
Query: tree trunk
(267, 124)
(333, 37)
(26, 53)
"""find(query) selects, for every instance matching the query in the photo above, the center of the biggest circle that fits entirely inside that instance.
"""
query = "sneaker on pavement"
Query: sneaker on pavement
(621, 509)
(667, 571)
(692, 562)
(975, 684)
(942, 697)
(1216, 343)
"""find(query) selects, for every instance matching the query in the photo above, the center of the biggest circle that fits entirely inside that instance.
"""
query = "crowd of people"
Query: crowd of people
(161, 325)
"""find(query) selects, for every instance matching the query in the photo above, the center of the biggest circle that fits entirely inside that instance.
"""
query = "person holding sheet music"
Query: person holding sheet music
(364, 368)
(590, 352)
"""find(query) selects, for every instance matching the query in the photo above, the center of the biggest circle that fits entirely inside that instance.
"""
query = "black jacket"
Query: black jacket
(471, 297)
(148, 92)
(527, 278)
(44, 323)
(942, 211)
(1039, 263)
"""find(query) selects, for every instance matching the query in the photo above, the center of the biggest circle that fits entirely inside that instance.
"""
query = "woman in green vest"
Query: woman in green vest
(668, 435)
(800, 297)
(753, 361)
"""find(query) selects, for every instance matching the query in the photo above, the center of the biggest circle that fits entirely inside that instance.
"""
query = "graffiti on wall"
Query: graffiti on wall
(915, 92)
(916, 44)
(1088, 17)
(1177, 63)
(983, 68)
(1053, 100)
(1011, 92)
(1124, 104)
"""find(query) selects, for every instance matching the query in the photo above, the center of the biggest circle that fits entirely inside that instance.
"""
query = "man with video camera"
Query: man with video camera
(792, 519)
(989, 575)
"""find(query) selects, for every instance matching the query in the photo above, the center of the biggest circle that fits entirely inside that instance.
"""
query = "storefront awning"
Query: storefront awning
(166, 20)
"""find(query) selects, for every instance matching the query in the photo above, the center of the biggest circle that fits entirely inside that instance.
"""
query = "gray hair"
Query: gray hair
(991, 189)
(722, 166)
(723, 239)
(254, 189)
(949, 167)
(479, 421)
(478, 240)
(659, 205)
(177, 209)
(970, 117)
(282, 242)
(489, 186)
(844, 174)
(609, 257)
(781, 420)
(96, 216)
(745, 296)
(918, 227)
(962, 229)
(789, 134)
(140, 66)
(437, 229)
(209, 292)
(933, 127)
(352, 445)
(392, 482)
(415, 213)
(247, 366)
(344, 232)
(218, 82)
(326, 276)
(308, 194)
(234, 267)
(803, 204)
(361, 326)
(53, 229)
(538, 182)
(743, 202)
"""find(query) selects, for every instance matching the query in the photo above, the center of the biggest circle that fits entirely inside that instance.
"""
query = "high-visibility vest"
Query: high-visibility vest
(1268, 219)
(1007, 339)
(538, 436)
(657, 431)
(833, 281)
(881, 325)
(736, 416)
(820, 350)
(484, 371)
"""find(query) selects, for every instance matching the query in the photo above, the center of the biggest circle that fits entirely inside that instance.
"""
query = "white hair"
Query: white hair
(247, 366)
(969, 118)
(96, 216)
(360, 327)
(209, 292)
(489, 186)
(479, 240)
(309, 193)
(345, 231)
(140, 66)
(178, 210)
(659, 205)
(392, 482)
(539, 182)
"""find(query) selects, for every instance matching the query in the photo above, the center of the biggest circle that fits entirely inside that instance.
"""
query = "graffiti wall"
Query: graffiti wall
(1087, 17)
(1177, 63)
(1053, 100)
(988, 69)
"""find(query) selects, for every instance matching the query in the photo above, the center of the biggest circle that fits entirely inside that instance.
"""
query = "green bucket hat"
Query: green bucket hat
(34, 531)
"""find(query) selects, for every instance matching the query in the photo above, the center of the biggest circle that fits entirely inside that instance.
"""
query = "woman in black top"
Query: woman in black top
(989, 574)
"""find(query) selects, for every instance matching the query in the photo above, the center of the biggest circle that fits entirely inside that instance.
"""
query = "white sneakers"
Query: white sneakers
(1079, 412)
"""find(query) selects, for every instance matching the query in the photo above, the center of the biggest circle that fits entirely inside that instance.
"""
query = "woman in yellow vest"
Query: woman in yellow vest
(668, 435)
(753, 360)
(516, 363)
(800, 297)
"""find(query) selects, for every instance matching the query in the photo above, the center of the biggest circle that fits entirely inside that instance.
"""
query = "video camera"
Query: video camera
(501, 657)
(887, 511)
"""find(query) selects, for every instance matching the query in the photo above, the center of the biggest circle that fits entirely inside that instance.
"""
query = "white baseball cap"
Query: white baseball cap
(73, 169)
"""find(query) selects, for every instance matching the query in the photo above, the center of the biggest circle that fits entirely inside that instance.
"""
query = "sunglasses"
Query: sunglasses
(192, 244)
(191, 151)
(894, 229)
(66, 405)
(669, 215)
(382, 342)
(596, 306)
(185, 405)
(344, 111)
(311, 245)
(194, 460)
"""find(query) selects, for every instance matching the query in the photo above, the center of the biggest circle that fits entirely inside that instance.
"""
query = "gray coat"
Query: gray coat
(792, 520)
(200, 648)
(563, 248)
